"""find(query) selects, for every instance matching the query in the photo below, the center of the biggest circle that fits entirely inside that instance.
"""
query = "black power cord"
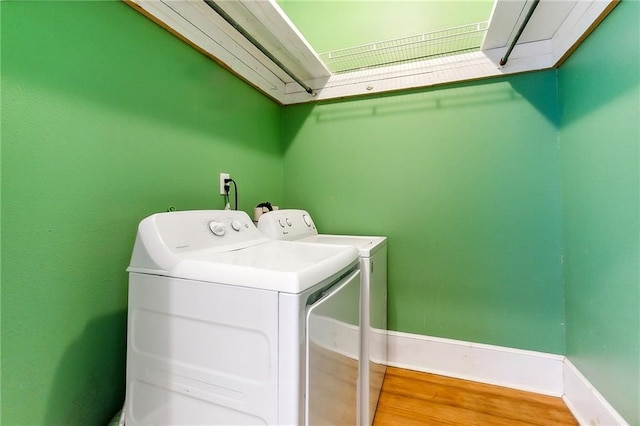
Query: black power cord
(235, 191)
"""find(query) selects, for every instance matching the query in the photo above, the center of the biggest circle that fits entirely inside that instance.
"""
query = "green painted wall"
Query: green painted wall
(464, 180)
(600, 158)
(337, 24)
(106, 118)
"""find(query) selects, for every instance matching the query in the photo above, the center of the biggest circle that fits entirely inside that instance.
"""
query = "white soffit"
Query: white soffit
(555, 29)
(272, 28)
(200, 26)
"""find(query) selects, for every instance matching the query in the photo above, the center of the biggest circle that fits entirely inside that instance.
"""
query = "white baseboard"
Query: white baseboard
(585, 402)
(514, 368)
(538, 372)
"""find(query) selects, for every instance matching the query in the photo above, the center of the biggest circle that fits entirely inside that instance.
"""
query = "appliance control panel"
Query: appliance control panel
(287, 224)
(183, 231)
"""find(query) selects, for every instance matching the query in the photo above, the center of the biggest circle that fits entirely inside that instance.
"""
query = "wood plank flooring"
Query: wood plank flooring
(410, 398)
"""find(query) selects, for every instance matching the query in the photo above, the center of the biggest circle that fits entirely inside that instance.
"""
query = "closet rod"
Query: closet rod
(505, 58)
(257, 44)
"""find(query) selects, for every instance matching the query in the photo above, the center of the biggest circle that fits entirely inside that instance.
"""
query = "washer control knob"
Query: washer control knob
(288, 222)
(281, 223)
(217, 228)
(307, 220)
(236, 225)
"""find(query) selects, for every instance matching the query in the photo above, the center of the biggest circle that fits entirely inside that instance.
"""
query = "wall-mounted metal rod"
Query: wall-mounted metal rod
(505, 58)
(257, 44)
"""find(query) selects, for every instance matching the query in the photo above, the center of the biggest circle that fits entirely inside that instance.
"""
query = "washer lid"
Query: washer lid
(286, 266)
(225, 247)
(366, 245)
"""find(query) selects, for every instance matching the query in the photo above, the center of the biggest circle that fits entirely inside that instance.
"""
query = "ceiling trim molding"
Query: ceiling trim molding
(555, 30)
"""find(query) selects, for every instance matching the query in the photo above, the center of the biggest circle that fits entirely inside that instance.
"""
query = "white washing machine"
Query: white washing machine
(227, 327)
(297, 225)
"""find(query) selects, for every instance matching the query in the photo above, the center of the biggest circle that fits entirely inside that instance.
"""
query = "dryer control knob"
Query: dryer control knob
(307, 220)
(217, 228)
(236, 225)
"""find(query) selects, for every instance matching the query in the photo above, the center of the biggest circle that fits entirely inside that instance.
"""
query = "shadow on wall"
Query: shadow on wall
(91, 375)
(474, 94)
(419, 102)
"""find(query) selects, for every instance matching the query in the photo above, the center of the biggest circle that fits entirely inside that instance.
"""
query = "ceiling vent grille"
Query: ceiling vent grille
(436, 44)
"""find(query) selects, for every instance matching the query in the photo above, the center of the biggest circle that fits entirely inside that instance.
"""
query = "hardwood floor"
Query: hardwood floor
(411, 398)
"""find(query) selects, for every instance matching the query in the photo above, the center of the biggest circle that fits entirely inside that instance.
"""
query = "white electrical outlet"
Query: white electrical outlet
(223, 176)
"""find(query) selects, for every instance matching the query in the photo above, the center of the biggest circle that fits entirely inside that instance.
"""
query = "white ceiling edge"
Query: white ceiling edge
(525, 57)
(267, 22)
(200, 26)
(579, 25)
(458, 68)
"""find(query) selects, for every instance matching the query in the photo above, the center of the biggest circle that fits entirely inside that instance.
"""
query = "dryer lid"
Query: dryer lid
(366, 245)
(297, 225)
(287, 224)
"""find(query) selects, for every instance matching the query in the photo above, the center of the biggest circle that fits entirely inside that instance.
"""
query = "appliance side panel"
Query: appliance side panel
(333, 352)
(377, 332)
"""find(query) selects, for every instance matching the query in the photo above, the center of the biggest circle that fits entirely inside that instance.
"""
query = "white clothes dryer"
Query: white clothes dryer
(297, 225)
(228, 327)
